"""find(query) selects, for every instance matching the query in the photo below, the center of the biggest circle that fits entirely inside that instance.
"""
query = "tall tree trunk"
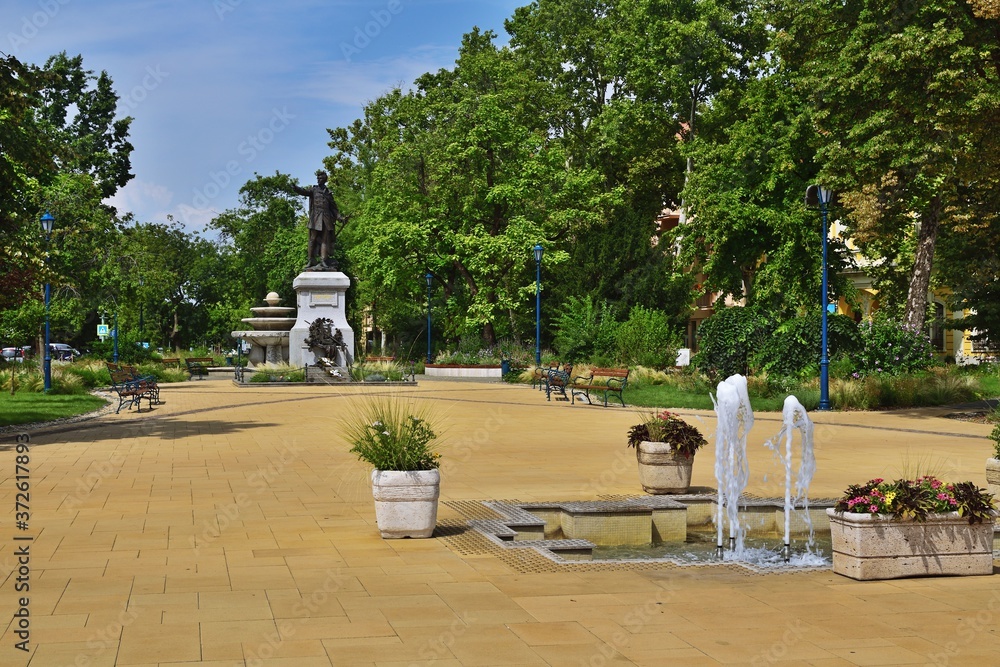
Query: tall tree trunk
(920, 278)
(175, 330)
(748, 274)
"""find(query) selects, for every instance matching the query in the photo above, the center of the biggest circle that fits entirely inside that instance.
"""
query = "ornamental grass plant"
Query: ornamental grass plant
(377, 371)
(391, 434)
(916, 499)
(278, 373)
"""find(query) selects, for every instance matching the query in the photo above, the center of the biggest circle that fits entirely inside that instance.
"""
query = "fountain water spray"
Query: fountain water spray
(795, 417)
(732, 471)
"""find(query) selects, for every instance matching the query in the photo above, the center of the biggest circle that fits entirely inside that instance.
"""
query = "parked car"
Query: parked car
(16, 353)
(63, 352)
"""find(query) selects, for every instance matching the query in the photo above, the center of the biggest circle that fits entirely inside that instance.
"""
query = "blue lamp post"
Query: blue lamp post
(47, 222)
(817, 195)
(430, 279)
(142, 327)
(538, 304)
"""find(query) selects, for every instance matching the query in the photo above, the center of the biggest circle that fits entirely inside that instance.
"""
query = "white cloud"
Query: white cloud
(139, 195)
(194, 219)
(354, 84)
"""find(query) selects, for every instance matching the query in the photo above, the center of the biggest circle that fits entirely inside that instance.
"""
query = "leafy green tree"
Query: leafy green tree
(461, 178)
(263, 240)
(167, 271)
(749, 232)
(56, 121)
(584, 330)
(906, 99)
(794, 348)
(27, 151)
(78, 111)
(646, 339)
(575, 49)
(728, 340)
(969, 263)
(61, 150)
(681, 54)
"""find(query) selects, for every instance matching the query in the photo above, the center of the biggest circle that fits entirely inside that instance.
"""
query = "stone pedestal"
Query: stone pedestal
(319, 294)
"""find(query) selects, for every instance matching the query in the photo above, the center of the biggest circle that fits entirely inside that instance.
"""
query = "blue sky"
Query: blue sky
(220, 89)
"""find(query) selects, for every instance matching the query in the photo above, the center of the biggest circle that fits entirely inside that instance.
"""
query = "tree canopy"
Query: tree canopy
(576, 134)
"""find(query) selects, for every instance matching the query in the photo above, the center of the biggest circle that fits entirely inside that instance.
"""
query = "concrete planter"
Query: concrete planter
(456, 371)
(993, 476)
(662, 469)
(877, 546)
(406, 502)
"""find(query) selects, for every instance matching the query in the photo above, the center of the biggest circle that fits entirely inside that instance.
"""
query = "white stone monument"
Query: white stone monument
(319, 294)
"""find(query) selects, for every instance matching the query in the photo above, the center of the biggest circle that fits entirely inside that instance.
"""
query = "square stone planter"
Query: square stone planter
(878, 546)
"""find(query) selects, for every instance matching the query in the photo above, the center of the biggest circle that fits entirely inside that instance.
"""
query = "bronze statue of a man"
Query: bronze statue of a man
(323, 218)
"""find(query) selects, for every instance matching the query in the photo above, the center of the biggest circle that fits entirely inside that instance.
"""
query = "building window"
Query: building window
(937, 328)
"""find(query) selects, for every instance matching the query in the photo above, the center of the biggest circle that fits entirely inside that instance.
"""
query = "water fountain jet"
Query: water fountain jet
(794, 417)
(732, 472)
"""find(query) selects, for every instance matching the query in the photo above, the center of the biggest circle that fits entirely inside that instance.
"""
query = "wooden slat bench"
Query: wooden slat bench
(176, 363)
(198, 366)
(606, 381)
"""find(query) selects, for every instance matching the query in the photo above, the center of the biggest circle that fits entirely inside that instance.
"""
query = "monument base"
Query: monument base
(320, 294)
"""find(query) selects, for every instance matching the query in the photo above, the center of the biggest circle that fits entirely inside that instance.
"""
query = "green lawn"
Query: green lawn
(666, 396)
(26, 408)
(990, 385)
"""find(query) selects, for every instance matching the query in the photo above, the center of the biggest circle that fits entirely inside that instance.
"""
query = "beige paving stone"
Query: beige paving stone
(58, 653)
(686, 657)
(91, 604)
(168, 540)
(491, 645)
(881, 655)
(421, 616)
(575, 655)
(177, 642)
(259, 578)
(545, 634)
(334, 627)
(437, 662)
(225, 652)
(310, 661)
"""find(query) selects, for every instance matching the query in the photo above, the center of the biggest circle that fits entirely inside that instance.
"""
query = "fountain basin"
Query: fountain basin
(678, 530)
(269, 347)
(270, 323)
(274, 311)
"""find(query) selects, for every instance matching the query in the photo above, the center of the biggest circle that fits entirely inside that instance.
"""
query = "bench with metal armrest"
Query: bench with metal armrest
(603, 381)
(198, 366)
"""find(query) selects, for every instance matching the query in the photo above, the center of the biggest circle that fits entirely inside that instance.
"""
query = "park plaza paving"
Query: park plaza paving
(230, 526)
